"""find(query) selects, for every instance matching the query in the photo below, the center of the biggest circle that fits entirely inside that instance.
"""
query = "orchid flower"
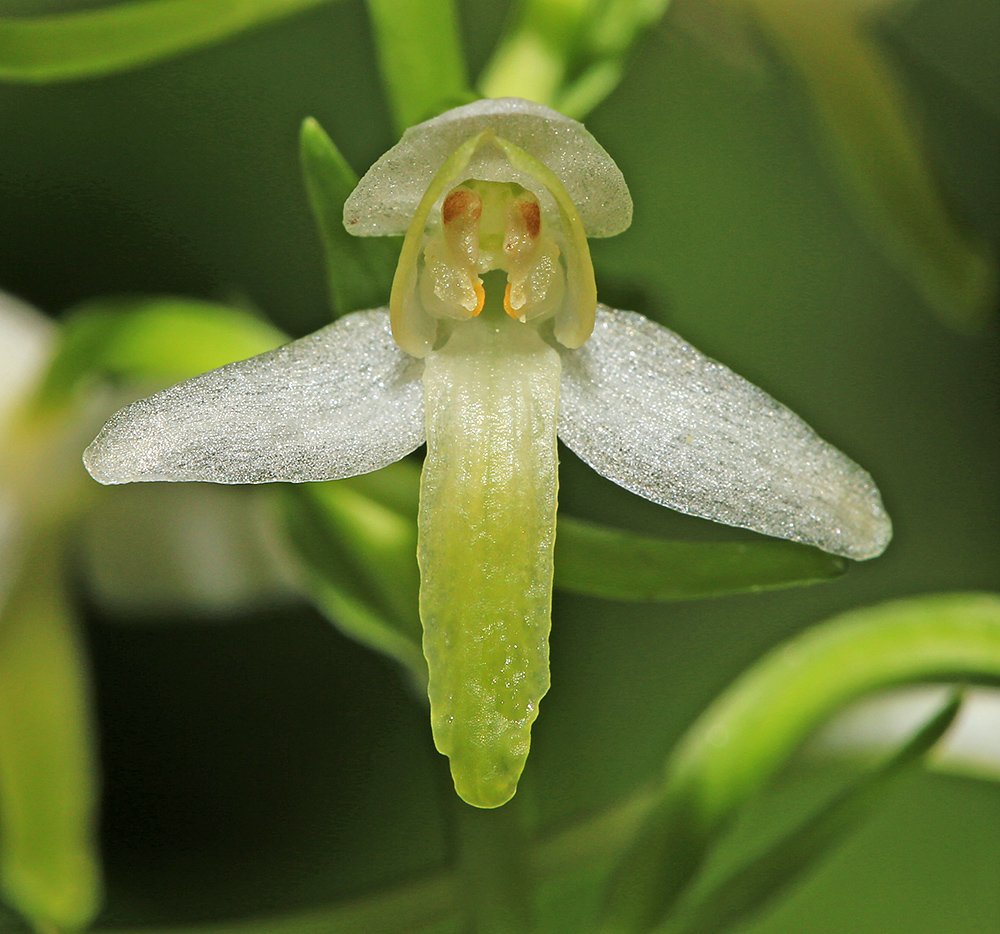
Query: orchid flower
(488, 372)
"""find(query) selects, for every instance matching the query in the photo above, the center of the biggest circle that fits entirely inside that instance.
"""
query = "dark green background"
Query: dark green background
(269, 763)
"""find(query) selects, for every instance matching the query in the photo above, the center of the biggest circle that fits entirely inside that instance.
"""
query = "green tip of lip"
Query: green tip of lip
(483, 782)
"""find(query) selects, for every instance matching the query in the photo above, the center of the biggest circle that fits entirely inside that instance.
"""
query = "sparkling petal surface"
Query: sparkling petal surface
(651, 413)
(341, 402)
(387, 197)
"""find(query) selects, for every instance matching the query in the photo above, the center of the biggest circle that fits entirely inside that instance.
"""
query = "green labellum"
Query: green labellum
(486, 535)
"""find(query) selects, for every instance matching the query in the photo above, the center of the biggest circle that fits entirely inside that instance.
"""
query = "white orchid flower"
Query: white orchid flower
(488, 374)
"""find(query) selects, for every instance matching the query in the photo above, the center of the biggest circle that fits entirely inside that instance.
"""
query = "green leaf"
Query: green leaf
(533, 59)
(600, 561)
(49, 867)
(744, 893)
(876, 145)
(360, 562)
(162, 339)
(87, 43)
(568, 54)
(359, 269)
(421, 58)
(752, 729)
(619, 565)
(609, 36)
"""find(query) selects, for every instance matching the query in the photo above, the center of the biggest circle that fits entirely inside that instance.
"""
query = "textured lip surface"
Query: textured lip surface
(387, 196)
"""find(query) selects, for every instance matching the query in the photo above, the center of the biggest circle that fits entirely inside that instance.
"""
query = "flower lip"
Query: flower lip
(387, 196)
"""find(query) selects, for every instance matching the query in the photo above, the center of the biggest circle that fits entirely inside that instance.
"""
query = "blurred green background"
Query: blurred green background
(269, 763)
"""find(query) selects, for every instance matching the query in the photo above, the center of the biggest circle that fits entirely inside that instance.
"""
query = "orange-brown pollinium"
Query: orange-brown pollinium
(461, 204)
(531, 213)
(460, 214)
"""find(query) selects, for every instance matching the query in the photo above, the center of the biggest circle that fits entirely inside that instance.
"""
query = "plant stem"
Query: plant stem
(496, 882)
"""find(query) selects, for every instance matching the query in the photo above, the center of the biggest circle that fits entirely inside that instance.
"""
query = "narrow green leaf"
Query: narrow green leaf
(49, 868)
(359, 269)
(750, 731)
(619, 565)
(396, 487)
(600, 561)
(87, 43)
(748, 890)
(569, 54)
(360, 559)
(534, 58)
(608, 38)
(161, 338)
(877, 147)
(421, 58)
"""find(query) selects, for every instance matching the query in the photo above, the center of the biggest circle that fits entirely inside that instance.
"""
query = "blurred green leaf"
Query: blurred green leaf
(744, 893)
(568, 54)
(151, 338)
(360, 560)
(49, 866)
(750, 731)
(605, 562)
(87, 43)
(359, 269)
(875, 141)
(421, 58)
(397, 487)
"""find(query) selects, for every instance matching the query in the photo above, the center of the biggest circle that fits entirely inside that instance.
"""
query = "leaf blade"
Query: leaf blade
(876, 145)
(96, 42)
(155, 338)
(745, 736)
(568, 55)
(604, 562)
(747, 891)
(359, 270)
(361, 564)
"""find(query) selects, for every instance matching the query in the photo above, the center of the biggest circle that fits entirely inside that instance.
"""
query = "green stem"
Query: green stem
(421, 57)
(435, 897)
(497, 885)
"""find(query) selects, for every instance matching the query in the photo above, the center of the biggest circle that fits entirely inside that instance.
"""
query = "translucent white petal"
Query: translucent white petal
(387, 197)
(341, 402)
(650, 412)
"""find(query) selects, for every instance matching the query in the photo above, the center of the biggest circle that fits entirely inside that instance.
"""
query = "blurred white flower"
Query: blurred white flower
(878, 724)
